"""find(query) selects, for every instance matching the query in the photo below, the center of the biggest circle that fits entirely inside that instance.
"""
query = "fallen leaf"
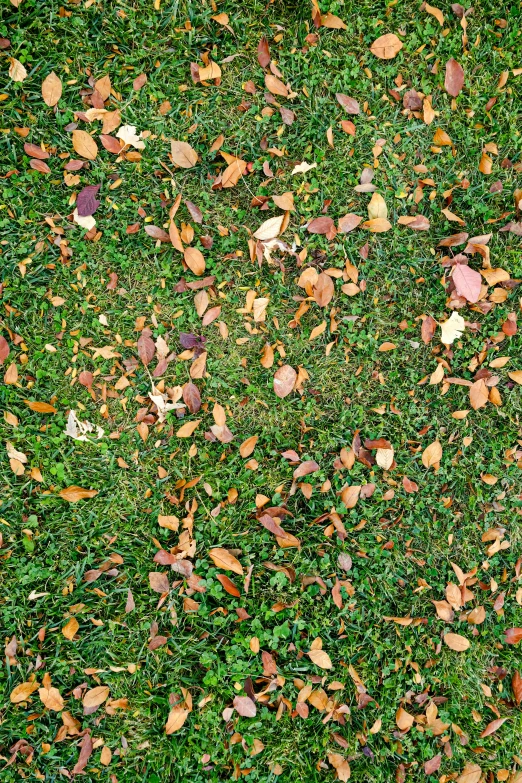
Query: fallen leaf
(386, 47)
(404, 720)
(84, 145)
(263, 53)
(513, 635)
(275, 85)
(183, 154)
(436, 12)
(270, 228)
(23, 691)
(284, 380)
(17, 71)
(245, 706)
(456, 642)
(223, 559)
(248, 446)
(454, 79)
(70, 628)
(74, 494)
(492, 727)
(195, 260)
(432, 455)
(478, 394)
(468, 283)
(452, 329)
(320, 658)
(349, 104)
(471, 773)
(176, 719)
(51, 89)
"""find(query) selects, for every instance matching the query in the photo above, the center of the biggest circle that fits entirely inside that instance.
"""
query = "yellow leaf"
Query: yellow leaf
(69, 630)
(186, 430)
(84, 144)
(436, 12)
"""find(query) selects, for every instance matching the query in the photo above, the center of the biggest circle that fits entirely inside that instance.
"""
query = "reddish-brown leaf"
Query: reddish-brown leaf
(432, 765)
(192, 397)
(159, 582)
(157, 233)
(409, 485)
(305, 468)
(513, 635)
(263, 53)
(110, 143)
(4, 349)
(245, 706)
(324, 290)
(509, 326)
(428, 329)
(492, 727)
(321, 225)
(146, 346)
(39, 165)
(228, 585)
(34, 151)
(349, 104)
(454, 80)
(85, 754)
(284, 380)
(348, 222)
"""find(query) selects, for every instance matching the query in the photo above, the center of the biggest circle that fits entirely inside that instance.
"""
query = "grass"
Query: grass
(402, 545)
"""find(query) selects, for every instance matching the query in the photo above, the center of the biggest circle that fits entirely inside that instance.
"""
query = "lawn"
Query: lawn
(261, 391)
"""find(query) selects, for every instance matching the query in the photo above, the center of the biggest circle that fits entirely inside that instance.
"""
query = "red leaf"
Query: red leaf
(86, 378)
(263, 53)
(321, 225)
(350, 104)
(192, 397)
(454, 81)
(513, 635)
(509, 326)
(272, 526)
(468, 283)
(432, 765)
(409, 485)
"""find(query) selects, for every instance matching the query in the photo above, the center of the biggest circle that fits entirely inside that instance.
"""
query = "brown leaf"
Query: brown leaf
(130, 604)
(245, 706)
(456, 642)
(478, 394)
(349, 104)
(432, 765)
(228, 585)
(195, 260)
(23, 691)
(34, 151)
(386, 47)
(436, 12)
(516, 376)
(191, 397)
(183, 154)
(159, 582)
(111, 144)
(349, 222)
(51, 698)
(403, 719)
(305, 468)
(492, 727)
(432, 455)
(146, 347)
(51, 89)
(84, 145)
(320, 658)
(454, 79)
(40, 165)
(139, 82)
(4, 349)
(157, 233)
(223, 559)
(471, 773)
(321, 225)
(74, 494)
(176, 719)
(248, 446)
(284, 381)
(233, 173)
(263, 53)
(85, 754)
(275, 85)
(187, 429)
(409, 485)
(513, 635)
(323, 289)
(40, 407)
(350, 495)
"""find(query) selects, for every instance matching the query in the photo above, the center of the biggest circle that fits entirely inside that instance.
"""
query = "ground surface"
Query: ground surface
(327, 631)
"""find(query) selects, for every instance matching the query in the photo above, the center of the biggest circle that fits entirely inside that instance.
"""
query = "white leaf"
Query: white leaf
(452, 329)
(127, 133)
(270, 228)
(86, 222)
(78, 430)
(303, 167)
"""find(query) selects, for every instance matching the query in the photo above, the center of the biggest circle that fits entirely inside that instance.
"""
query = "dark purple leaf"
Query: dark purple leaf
(87, 203)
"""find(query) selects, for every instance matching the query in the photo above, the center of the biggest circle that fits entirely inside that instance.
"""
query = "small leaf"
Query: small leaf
(432, 455)
(84, 145)
(349, 104)
(320, 658)
(70, 628)
(492, 727)
(456, 642)
(263, 53)
(176, 719)
(245, 706)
